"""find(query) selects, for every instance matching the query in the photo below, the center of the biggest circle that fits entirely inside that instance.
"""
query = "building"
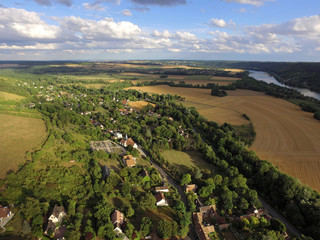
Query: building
(117, 219)
(54, 222)
(208, 210)
(5, 212)
(202, 228)
(162, 189)
(253, 212)
(191, 188)
(129, 161)
(118, 135)
(161, 200)
(128, 142)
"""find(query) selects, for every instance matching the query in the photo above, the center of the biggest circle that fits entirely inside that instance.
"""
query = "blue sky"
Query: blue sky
(263, 30)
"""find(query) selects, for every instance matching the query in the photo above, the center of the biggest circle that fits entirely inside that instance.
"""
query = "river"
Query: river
(263, 76)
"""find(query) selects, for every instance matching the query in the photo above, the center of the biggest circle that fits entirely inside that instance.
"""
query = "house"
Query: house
(118, 135)
(162, 189)
(55, 219)
(191, 188)
(208, 210)
(253, 212)
(117, 219)
(58, 214)
(129, 161)
(105, 171)
(128, 142)
(202, 228)
(161, 200)
(5, 212)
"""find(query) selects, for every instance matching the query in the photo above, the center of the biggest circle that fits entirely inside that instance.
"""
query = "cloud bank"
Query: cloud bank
(25, 32)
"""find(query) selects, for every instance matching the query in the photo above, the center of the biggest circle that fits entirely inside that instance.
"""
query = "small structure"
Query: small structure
(128, 142)
(208, 210)
(32, 105)
(117, 219)
(5, 212)
(162, 189)
(129, 161)
(55, 220)
(161, 200)
(253, 212)
(117, 135)
(191, 188)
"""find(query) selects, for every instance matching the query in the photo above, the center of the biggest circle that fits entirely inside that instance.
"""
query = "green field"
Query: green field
(185, 160)
(18, 135)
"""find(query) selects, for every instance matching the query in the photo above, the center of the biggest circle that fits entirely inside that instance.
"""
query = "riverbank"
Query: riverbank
(266, 77)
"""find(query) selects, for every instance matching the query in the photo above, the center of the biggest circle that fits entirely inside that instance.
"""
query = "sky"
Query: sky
(249, 30)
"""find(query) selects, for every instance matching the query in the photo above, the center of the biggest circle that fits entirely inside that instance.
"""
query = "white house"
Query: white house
(162, 189)
(161, 200)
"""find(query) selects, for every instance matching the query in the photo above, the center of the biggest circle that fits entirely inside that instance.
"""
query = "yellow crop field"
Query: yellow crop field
(234, 70)
(10, 97)
(285, 135)
(138, 105)
(18, 135)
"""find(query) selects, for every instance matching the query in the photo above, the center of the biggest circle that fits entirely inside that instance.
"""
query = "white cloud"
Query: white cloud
(215, 22)
(126, 12)
(19, 25)
(175, 50)
(256, 3)
(21, 30)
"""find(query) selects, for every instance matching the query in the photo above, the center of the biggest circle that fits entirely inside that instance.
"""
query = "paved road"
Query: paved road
(274, 213)
(192, 235)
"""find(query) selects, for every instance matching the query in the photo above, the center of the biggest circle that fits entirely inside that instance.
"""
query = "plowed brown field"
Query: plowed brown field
(286, 136)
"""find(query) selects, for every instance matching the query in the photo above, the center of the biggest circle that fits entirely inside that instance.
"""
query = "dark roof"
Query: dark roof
(159, 197)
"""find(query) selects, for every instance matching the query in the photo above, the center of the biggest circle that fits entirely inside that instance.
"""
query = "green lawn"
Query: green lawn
(185, 160)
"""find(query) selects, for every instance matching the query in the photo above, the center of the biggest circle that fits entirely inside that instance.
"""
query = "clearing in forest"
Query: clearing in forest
(18, 135)
(285, 135)
(138, 105)
(185, 160)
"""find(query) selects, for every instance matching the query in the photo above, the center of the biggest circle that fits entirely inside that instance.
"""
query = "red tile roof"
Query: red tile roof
(117, 217)
(129, 161)
(4, 211)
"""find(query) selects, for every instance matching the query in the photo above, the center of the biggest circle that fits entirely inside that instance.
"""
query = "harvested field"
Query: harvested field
(139, 105)
(10, 97)
(285, 135)
(234, 70)
(96, 85)
(18, 135)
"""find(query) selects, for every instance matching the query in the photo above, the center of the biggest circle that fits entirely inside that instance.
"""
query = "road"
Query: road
(192, 235)
(275, 214)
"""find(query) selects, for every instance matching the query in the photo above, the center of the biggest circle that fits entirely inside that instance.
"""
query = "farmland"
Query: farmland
(18, 135)
(285, 135)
